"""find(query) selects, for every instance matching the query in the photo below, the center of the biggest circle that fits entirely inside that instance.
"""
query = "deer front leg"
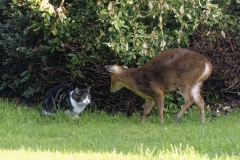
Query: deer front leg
(158, 95)
(160, 106)
(147, 108)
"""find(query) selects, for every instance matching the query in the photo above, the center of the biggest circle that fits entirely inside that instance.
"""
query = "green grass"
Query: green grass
(24, 132)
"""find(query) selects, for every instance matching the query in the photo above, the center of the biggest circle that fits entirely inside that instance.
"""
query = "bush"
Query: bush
(42, 46)
(220, 44)
(18, 58)
(223, 51)
(141, 29)
(41, 49)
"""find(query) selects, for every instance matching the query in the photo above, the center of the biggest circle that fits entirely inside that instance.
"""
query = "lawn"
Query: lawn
(25, 134)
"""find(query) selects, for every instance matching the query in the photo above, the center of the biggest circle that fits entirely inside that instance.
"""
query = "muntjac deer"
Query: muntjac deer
(176, 68)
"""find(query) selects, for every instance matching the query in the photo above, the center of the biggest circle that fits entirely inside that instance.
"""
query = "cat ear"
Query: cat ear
(77, 91)
(88, 88)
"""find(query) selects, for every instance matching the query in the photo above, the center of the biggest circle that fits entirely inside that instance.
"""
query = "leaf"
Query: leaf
(54, 31)
(77, 73)
(223, 34)
(23, 73)
(72, 55)
(181, 10)
(98, 2)
(129, 1)
(150, 5)
(110, 6)
(67, 34)
(57, 48)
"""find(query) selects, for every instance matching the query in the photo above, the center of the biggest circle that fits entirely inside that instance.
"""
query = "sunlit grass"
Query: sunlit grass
(24, 131)
(175, 153)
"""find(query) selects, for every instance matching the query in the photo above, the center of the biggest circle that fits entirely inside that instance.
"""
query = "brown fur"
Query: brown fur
(176, 68)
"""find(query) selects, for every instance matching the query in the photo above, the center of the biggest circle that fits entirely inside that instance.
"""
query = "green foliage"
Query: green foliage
(231, 12)
(141, 29)
(40, 44)
(36, 41)
(170, 106)
(18, 56)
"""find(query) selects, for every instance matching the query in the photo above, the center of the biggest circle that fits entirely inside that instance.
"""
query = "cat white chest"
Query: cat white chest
(78, 107)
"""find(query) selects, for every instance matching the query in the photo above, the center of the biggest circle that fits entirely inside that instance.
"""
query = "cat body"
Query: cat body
(63, 97)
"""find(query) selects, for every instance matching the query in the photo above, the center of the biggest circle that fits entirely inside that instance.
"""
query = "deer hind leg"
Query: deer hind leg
(186, 93)
(147, 108)
(199, 100)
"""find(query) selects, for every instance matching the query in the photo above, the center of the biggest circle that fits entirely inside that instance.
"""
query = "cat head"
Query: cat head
(82, 95)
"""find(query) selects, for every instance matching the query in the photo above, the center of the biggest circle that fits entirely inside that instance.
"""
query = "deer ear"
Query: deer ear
(112, 68)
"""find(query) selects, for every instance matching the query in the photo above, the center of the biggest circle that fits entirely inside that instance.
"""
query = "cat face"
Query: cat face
(82, 95)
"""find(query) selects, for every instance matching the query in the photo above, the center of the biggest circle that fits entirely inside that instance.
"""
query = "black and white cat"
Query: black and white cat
(63, 97)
